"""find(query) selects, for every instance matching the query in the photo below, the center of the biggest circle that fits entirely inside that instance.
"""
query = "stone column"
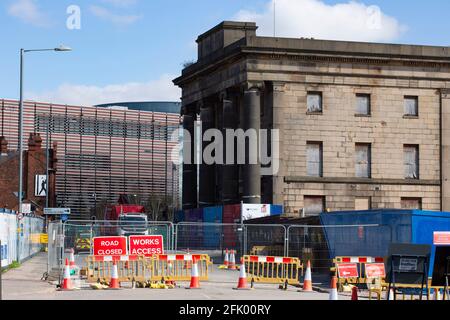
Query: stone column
(445, 149)
(252, 171)
(207, 187)
(278, 124)
(230, 176)
(189, 166)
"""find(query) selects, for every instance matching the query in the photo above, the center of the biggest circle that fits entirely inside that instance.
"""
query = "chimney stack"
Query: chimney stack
(34, 142)
(3, 146)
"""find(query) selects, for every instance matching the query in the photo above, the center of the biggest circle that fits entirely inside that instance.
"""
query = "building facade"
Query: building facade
(361, 125)
(102, 152)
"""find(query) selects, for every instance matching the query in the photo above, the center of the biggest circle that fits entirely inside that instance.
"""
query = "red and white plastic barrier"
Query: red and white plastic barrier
(361, 259)
(271, 259)
(179, 257)
(115, 258)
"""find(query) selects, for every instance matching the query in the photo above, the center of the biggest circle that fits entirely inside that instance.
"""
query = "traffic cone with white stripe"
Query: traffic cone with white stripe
(72, 259)
(195, 281)
(355, 293)
(307, 282)
(391, 294)
(232, 262)
(437, 294)
(333, 291)
(226, 259)
(114, 284)
(242, 283)
(67, 282)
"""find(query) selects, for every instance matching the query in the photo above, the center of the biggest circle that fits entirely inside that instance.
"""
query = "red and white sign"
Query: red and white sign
(375, 270)
(441, 238)
(110, 246)
(347, 270)
(146, 245)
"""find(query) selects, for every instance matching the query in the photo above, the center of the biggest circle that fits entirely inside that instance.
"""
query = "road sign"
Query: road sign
(146, 245)
(441, 238)
(26, 208)
(40, 185)
(20, 216)
(110, 246)
(408, 264)
(57, 211)
(347, 270)
(375, 270)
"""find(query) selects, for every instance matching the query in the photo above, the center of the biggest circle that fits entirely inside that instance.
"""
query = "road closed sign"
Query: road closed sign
(110, 246)
(146, 245)
(347, 270)
(375, 270)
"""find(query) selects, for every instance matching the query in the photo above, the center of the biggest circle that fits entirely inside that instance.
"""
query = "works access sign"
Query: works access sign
(146, 245)
(347, 270)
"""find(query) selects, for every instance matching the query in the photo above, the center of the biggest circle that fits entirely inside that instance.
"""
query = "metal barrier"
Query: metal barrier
(360, 263)
(177, 267)
(276, 270)
(130, 269)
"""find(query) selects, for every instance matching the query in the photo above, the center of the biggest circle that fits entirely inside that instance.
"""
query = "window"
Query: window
(314, 102)
(411, 161)
(363, 160)
(314, 159)
(363, 104)
(363, 203)
(314, 205)
(411, 106)
(411, 203)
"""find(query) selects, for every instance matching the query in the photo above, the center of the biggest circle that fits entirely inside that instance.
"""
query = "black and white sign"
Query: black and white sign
(407, 265)
(40, 185)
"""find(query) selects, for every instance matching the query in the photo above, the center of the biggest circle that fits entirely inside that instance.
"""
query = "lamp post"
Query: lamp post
(20, 147)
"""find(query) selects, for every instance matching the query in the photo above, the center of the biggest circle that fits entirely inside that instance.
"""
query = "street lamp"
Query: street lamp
(22, 52)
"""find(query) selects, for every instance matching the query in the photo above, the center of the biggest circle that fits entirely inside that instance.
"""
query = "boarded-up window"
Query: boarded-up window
(363, 203)
(412, 203)
(363, 159)
(314, 159)
(363, 104)
(314, 102)
(314, 205)
(411, 106)
(411, 158)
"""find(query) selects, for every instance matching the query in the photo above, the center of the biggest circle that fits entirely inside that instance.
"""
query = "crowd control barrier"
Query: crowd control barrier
(130, 269)
(276, 270)
(177, 267)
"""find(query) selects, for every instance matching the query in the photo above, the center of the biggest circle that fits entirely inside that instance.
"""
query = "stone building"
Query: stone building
(361, 125)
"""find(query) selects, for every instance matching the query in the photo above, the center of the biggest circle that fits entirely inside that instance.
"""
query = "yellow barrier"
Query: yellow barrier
(177, 267)
(360, 262)
(43, 238)
(276, 270)
(130, 269)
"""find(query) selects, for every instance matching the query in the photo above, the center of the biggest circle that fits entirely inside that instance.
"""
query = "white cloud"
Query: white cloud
(28, 12)
(161, 89)
(313, 18)
(108, 15)
(120, 3)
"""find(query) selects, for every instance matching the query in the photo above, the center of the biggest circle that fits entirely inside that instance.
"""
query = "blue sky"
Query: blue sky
(131, 49)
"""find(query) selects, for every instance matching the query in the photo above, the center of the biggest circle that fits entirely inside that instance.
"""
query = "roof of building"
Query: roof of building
(154, 106)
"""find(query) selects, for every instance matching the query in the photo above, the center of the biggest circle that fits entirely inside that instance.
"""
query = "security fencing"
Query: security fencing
(20, 239)
(319, 244)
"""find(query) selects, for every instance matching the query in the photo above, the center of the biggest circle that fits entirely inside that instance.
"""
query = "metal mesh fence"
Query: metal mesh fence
(266, 240)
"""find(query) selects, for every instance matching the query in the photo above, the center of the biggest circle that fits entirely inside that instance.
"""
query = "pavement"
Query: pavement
(25, 283)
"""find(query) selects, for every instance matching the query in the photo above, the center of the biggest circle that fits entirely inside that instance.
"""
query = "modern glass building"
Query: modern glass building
(103, 151)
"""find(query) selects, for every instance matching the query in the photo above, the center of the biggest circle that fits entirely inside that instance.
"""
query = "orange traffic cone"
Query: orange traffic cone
(225, 261)
(72, 259)
(114, 284)
(242, 283)
(195, 281)
(67, 282)
(307, 282)
(333, 291)
(354, 293)
(187, 264)
(232, 262)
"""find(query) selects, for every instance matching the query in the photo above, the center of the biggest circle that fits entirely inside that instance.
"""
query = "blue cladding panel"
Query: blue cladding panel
(276, 210)
(212, 233)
